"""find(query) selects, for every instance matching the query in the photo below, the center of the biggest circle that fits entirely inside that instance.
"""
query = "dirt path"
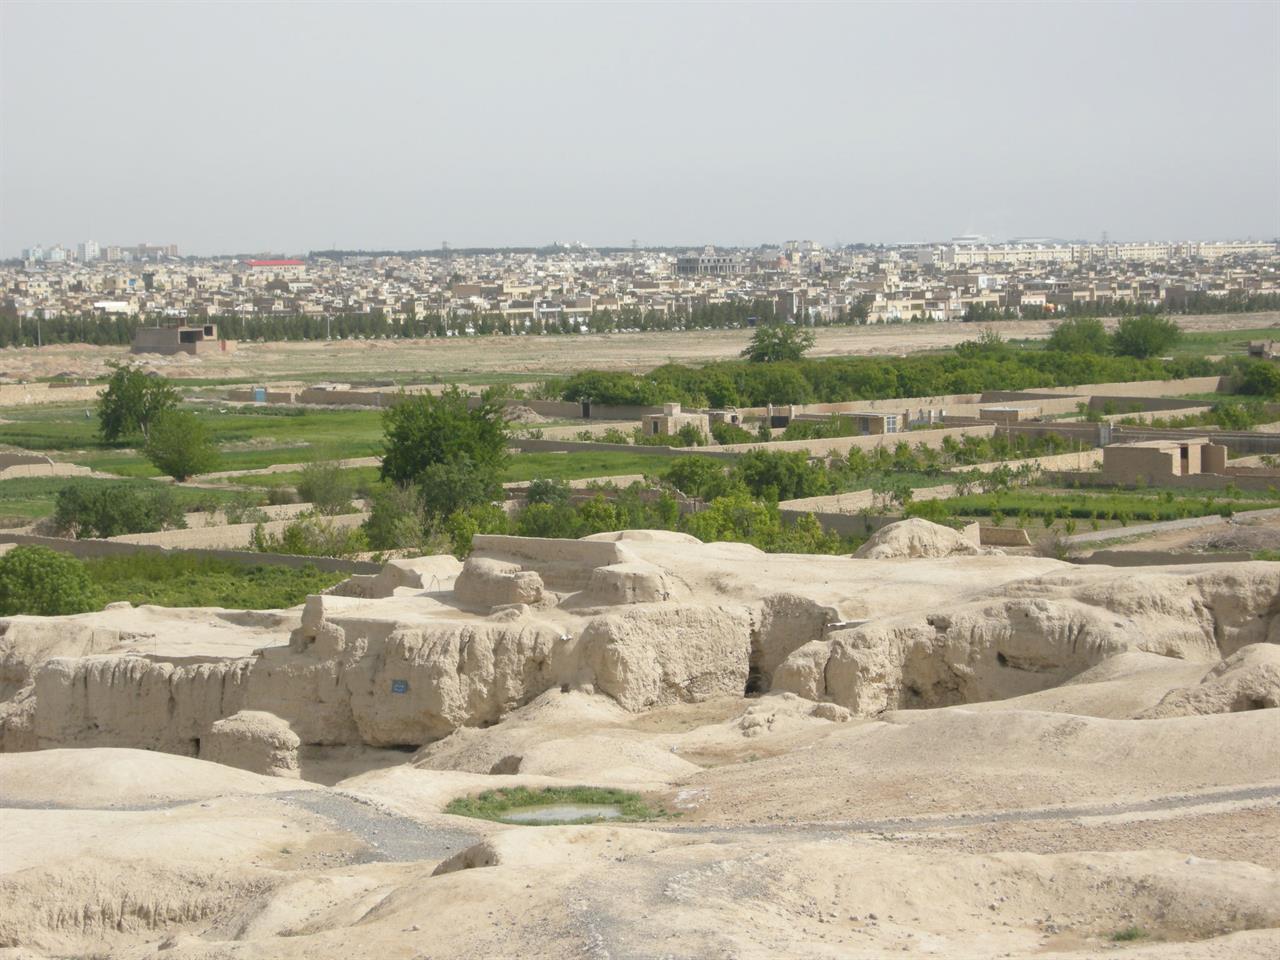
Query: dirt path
(424, 361)
(1179, 802)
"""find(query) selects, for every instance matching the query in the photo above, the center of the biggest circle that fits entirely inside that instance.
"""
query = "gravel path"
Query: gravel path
(389, 836)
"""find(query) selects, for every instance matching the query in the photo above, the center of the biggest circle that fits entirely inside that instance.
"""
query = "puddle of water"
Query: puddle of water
(563, 813)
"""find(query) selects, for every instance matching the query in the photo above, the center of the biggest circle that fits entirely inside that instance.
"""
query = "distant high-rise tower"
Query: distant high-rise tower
(89, 250)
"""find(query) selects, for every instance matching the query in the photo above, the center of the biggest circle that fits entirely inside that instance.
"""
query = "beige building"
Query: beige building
(672, 419)
(1151, 461)
(184, 339)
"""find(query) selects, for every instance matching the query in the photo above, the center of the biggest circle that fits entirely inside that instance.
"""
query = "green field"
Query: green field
(32, 498)
(248, 439)
(1226, 342)
(1110, 507)
(522, 466)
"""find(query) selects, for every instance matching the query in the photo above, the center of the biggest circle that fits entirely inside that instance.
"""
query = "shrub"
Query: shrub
(325, 487)
(178, 445)
(110, 510)
(691, 436)
(398, 521)
(1145, 336)
(311, 536)
(698, 477)
(281, 495)
(242, 508)
(1129, 933)
(1262, 379)
(464, 524)
(1079, 335)
(555, 492)
(774, 475)
(41, 582)
(731, 433)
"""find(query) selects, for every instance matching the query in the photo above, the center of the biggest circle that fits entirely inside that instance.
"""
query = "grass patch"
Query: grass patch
(1267, 555)
(1119, 507)
(497, 804)
(522, 466)
(247, 439)
(1197, 343)
(1129, 934)
(192, 580)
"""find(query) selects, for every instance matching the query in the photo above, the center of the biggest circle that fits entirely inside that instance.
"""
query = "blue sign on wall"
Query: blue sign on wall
(399, 686)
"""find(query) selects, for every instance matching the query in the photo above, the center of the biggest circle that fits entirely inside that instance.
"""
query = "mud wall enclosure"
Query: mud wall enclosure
(409, 655)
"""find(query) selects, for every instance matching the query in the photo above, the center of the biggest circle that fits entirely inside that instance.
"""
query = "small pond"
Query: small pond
(562, 813)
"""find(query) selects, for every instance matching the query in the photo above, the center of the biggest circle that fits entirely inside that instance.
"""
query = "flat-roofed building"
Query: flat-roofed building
(181, 339)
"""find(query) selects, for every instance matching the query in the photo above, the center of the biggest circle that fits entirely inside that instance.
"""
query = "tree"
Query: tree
(39, 582)
(1144, 336)
(178, 445)
(131, 402)
(778, 341)
(422, 431)
(1079, 335)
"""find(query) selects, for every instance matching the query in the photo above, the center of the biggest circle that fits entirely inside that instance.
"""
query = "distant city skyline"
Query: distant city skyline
(237, 128)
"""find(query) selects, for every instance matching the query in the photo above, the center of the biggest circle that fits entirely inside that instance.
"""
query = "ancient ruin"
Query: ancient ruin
(830, 741)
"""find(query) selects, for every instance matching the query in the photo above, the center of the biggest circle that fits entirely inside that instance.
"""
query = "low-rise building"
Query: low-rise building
(180, 339)
(1151, 461)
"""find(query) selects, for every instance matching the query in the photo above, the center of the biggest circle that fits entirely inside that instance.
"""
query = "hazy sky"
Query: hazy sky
(242, 127)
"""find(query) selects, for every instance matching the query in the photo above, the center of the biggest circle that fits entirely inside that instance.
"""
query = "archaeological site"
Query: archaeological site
(636, 744)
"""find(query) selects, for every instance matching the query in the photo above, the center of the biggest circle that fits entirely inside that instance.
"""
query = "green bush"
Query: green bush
(398, 520)
(325, 486)
(776, 476)
(111, 510)
(191, 580)
(1262, 379)
(727, 433)
(696, 476)
(555, 492)
(311, 536)
(40, 582)
(1079, 335)
(178, 445)
(1144, 336)
(461, 525)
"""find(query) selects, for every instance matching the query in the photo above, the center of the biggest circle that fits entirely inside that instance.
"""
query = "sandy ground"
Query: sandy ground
(424, 361)
(1065, 822)
(1240, 536)
(1019, 829)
